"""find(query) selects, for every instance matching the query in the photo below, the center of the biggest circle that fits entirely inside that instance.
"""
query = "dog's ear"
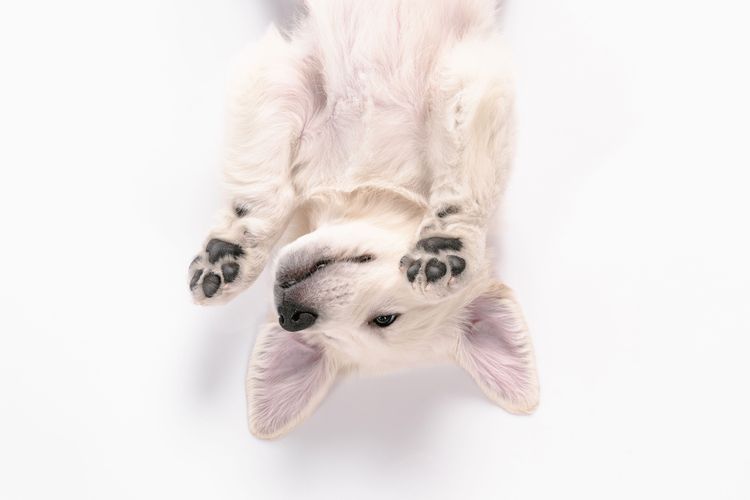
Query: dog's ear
(494, 347)
(287, 378)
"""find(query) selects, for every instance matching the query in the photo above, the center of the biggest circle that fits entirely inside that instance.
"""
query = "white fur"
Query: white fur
(359, 129)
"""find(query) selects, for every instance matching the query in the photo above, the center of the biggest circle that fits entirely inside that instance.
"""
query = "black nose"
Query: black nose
(293, 317)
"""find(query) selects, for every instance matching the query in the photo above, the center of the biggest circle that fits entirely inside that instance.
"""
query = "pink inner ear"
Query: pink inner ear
(498, 354)
(286, 379)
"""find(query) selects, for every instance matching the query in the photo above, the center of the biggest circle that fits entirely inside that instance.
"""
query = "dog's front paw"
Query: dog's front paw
(436, 266)
(218, 272)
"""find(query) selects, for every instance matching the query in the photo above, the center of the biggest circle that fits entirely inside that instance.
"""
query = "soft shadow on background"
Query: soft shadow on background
(284, 13)
(387, 416)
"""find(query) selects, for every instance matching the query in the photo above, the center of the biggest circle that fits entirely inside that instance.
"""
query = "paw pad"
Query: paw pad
(437, 265)
(215, 266)
(230, 270)
(414, 267)
(216, 249)
(437, 243)
(457, 264)
(211, 284)
(434, 269)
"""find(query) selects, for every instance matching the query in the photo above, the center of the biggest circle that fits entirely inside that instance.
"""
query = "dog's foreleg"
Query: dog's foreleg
(272, 102)
(469, 153)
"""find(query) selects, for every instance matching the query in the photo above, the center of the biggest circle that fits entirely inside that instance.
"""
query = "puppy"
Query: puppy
(371, 144)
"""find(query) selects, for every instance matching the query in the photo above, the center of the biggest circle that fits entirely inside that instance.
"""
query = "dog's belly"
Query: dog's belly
(378, 74)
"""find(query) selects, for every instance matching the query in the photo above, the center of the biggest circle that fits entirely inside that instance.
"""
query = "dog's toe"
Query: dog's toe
(229, 271)
(211, 284)
(434, 270)
(413, 270)
(457, 265)
(196, 277)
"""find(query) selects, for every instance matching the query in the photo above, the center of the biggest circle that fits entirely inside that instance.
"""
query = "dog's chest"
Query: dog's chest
(369, 133)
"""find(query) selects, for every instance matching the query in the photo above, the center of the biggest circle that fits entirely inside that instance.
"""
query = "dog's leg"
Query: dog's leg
(469, 153)
(273, 101)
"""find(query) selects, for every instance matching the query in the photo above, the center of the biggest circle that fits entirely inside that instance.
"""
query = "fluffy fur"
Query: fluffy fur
(371, 145)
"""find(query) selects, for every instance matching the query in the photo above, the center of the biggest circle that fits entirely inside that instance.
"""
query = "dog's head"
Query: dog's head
(343, 304)
(340, 287)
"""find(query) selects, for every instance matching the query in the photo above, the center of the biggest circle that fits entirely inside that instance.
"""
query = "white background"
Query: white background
(626, 238)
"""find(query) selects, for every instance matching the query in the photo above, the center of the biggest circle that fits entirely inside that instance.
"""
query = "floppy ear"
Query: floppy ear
(286, 380)
(494, 347)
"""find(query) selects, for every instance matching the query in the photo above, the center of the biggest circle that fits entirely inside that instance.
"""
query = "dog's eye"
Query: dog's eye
(384, 320)
(321, 264)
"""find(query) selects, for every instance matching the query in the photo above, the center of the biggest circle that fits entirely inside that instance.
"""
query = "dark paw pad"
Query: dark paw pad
(457, 264)
(196, 277)
(216, 249)
(230, 270)
(413, 270)
(211, 284)
(434, 270)
(437, 243)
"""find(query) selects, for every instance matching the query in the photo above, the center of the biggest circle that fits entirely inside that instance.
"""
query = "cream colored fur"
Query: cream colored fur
(348, 139)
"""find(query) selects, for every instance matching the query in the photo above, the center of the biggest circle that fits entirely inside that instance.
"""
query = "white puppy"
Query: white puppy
(375, 139)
